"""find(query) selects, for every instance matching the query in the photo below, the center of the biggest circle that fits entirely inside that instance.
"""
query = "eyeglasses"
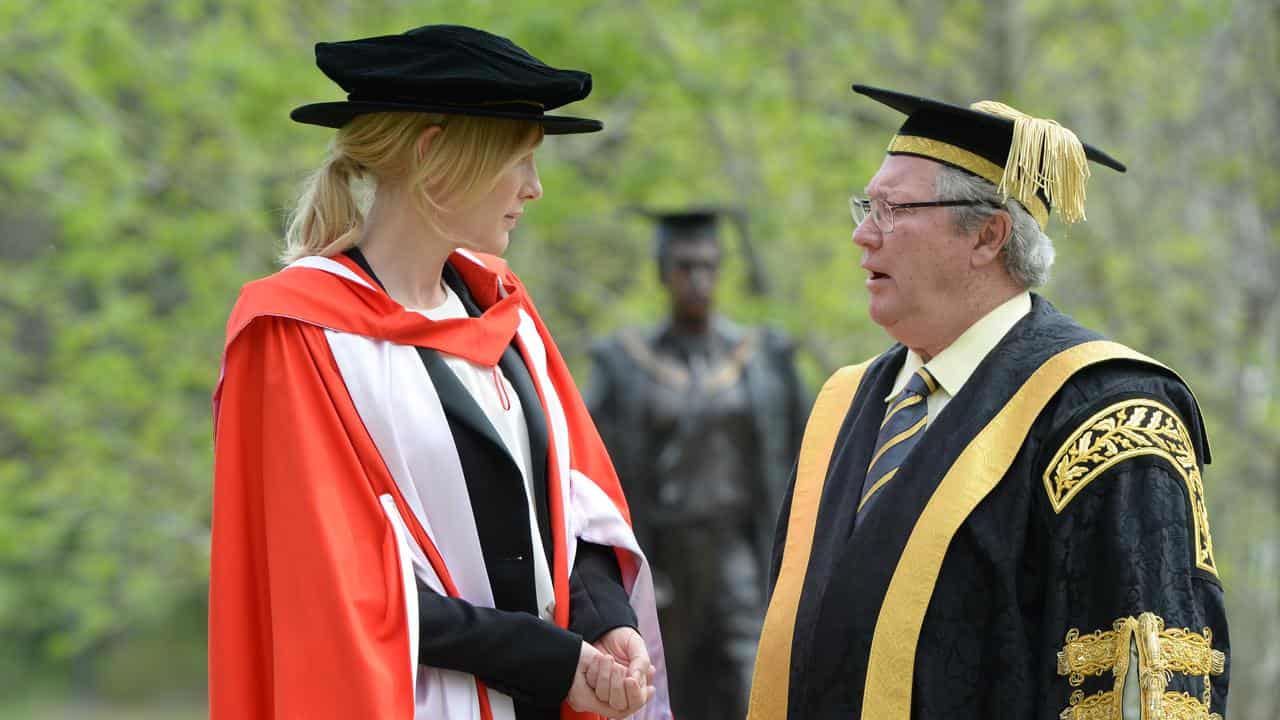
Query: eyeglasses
(881, 211)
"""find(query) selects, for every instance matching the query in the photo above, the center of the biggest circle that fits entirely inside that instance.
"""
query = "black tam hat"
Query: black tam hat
(1033, 160)
(448, 69)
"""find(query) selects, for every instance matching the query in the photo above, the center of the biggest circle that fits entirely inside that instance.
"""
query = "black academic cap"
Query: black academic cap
(1036, 161)
(448, 69)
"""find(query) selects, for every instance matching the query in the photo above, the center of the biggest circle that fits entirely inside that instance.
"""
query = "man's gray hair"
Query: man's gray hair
(1028, 254)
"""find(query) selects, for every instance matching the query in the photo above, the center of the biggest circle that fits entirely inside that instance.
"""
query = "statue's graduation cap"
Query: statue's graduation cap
(703, 221)
(686, 221)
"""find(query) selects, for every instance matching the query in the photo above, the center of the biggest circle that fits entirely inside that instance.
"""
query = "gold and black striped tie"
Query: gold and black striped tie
(904, 423)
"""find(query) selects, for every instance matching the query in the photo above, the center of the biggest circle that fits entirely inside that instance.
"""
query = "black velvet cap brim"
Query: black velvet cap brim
(973, 130)
(337, 114)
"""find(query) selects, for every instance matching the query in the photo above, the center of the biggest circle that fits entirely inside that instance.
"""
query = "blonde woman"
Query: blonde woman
(414, 516)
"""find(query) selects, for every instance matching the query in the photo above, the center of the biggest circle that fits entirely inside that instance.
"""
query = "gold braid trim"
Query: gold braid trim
(1107, 705)
(1161, 652)
(1122, 431)
(1181, 706)
(1102, 705)
(1095, 653)
(1191, 653)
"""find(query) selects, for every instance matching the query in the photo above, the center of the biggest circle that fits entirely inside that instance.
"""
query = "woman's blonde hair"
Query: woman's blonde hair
(462, 163)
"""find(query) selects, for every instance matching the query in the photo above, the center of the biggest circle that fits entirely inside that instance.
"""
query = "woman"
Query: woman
(413, 514)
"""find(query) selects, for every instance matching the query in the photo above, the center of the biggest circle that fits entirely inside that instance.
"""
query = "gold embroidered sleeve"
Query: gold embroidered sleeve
(1125, 430)
(1161, 652)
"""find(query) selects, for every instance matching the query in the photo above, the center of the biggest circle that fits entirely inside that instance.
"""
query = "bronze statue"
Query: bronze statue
(703, 419)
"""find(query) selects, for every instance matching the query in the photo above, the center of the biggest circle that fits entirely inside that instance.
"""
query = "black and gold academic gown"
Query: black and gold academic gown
(1043, 545)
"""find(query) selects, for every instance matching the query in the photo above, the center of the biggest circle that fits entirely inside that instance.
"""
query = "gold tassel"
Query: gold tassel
(1043, 156)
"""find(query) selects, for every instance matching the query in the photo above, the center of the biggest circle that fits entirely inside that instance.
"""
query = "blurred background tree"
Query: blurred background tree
(147, 164)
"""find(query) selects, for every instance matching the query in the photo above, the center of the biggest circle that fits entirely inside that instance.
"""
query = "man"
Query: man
(1003, 514)
(702, 419)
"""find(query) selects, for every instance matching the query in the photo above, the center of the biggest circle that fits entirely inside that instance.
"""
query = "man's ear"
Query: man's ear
(992, 236)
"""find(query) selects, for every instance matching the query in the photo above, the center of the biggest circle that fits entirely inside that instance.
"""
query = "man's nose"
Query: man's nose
(867, 235)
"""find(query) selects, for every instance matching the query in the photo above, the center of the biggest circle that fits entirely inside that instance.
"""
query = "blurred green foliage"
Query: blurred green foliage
(147, 163)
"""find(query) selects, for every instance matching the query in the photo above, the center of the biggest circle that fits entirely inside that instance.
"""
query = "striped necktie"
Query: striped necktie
(903, 425)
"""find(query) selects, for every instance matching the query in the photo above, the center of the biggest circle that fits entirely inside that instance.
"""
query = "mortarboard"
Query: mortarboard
(1034, 160)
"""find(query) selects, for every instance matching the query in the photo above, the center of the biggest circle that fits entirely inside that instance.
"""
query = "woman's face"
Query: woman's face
(483, 226)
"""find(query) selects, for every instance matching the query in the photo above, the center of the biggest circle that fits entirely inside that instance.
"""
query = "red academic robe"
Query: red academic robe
(334, 485)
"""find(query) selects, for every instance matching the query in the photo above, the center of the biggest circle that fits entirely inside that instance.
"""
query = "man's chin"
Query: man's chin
(881, 312)
(889, 318)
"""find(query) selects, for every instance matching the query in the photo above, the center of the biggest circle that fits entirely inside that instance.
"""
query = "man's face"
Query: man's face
(690, 276)
(919, 273)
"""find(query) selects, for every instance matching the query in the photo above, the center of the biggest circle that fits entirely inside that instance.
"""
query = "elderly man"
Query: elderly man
(1002, 515)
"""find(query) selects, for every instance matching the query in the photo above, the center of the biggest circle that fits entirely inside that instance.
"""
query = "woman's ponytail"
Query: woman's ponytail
(327, 219)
